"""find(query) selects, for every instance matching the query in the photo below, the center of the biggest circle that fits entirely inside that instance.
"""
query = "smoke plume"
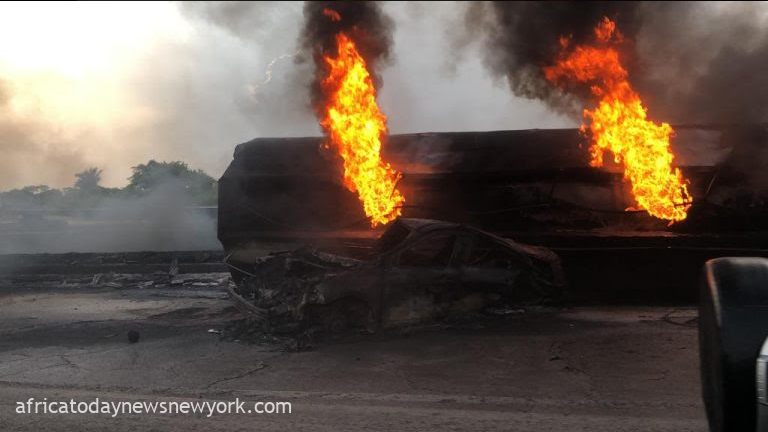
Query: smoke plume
(363, 22)
(166, 218)
(523, 37)
(31, 145)
(704, 62)
(691, 62)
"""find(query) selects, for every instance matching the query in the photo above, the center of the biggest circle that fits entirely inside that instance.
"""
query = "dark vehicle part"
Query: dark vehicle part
(761, 381)
(421, 270)
(733, 325)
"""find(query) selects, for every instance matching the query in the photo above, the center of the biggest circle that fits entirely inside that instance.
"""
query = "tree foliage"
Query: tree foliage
(152, 175)
(88, 180)
(197, 187)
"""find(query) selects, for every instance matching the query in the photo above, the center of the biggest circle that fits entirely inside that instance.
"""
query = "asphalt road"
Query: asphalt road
(588, 369)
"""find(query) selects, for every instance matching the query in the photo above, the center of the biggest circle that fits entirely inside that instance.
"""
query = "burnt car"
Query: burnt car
(420, 270)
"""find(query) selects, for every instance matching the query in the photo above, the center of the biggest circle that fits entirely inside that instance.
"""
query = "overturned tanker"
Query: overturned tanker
(535, 186)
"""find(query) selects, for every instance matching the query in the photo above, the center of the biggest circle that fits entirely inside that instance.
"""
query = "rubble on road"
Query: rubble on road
(116, 281)
(127, 270)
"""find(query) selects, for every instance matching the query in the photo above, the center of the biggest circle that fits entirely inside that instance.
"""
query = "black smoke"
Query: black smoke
(704, 62)
(523, 37)
(691, 62)
(362, 21)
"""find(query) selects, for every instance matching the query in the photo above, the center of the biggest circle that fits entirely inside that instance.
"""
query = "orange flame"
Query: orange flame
(356, 127)
(618, 124)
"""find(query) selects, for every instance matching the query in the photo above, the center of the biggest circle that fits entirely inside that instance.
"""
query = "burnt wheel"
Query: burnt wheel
(733, 324)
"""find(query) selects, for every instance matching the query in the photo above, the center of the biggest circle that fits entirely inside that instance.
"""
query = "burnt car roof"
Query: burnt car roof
(427, 225)
(403, 228)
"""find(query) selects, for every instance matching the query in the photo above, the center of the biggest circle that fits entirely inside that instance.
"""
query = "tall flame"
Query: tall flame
(356, 127)
(618, 124)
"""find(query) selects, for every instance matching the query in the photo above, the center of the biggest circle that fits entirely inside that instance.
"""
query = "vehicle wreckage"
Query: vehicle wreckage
(534, 186)
(420, 270)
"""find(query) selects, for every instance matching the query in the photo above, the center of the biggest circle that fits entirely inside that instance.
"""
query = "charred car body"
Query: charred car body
(420, 270)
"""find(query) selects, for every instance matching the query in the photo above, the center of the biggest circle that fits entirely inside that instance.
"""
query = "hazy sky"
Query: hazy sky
(116, 84)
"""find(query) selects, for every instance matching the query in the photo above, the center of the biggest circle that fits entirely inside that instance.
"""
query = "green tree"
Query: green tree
(196, 184)
(31, 197)
(88, 180)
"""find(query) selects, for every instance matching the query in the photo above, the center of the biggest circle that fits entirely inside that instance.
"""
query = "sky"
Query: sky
(112, 84)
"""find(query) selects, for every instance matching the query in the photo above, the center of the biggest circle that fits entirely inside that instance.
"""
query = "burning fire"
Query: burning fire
(356, 127)
(618, 124)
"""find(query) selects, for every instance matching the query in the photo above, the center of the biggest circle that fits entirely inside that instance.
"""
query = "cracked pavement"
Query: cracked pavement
(586, 369)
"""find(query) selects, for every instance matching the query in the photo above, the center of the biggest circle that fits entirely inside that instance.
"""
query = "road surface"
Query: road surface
(585, 369)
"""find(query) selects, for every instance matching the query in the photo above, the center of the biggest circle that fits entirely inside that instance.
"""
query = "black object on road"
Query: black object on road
(133, 336)
(733, 325)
